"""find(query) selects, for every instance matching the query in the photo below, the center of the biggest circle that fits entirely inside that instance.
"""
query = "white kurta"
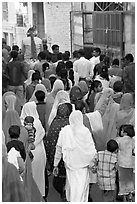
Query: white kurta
(78, 151)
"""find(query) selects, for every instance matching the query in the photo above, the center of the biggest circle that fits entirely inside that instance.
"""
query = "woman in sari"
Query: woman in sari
(29, 79)
(61, 120)
(84, 88)
(47, 84)
(76, 94)
(12, 118)
(39, 87)
(57, 86)
(126, 113)
(61, 97)
(39, 160)
(110, 109)
(77, 146)
(17, 106)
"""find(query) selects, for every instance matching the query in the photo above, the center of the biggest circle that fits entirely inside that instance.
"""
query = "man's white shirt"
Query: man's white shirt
(83, 67)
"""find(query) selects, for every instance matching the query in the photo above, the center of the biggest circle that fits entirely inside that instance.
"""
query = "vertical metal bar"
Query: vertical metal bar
(121, 35)
(83, 27)
(71, 31)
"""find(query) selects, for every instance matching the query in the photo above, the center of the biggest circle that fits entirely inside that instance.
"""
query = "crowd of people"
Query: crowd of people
(68, 116)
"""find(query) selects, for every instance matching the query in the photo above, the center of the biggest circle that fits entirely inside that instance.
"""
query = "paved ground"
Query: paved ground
(53, 196)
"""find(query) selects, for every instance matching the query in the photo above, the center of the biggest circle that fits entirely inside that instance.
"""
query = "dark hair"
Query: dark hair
(106, 61)
(129, 129)
(118, 86)
(129, 57)
(38, 73)
(112, 145)
(104, 72)
(59, 56)
(29, 119)
(71, 76)
(65, 56)
(54, 46)
(79, 105)
(101, 57)
(52, 80)
(35, 76)
(48, 55)
(75, 54)
(95, 84)
(42, 55)
(45, 66)
(40, 95)
(81, 52)
(14, 131)
(97, 49)
(15, 47)
(60, 66)
(14, 54)
(64, 78)
(115, 62)
(69, 65)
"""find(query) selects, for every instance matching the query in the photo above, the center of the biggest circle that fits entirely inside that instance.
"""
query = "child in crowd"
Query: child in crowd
(117, 87)
(105, 165)
(28, 124)
(95, 88)
(14, 132)
(126, 162)
(16, 149)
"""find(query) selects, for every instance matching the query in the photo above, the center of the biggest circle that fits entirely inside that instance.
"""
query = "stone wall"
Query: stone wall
(58, 24)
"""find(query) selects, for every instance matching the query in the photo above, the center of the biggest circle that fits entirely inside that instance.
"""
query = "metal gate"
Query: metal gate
(98, 29)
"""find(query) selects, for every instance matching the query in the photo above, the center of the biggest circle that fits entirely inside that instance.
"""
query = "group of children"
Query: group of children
(115, 167)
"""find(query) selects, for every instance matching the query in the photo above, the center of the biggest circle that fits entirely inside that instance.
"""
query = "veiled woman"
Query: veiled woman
(108, 117)
(17, 106)
(39, 87)
(61, 119)
(61, 97)
(57, 86)
(39, 160)
(126, 113)
(12, 118)
(76, 145)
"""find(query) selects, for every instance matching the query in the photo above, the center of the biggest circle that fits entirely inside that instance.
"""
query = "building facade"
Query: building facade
(74, 25)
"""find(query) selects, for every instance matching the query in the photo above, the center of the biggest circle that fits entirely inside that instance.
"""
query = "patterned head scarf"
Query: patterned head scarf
(64, 110)
(61, 97)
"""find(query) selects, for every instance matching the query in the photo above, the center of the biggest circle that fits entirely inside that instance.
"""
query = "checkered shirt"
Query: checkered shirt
(106, 170)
